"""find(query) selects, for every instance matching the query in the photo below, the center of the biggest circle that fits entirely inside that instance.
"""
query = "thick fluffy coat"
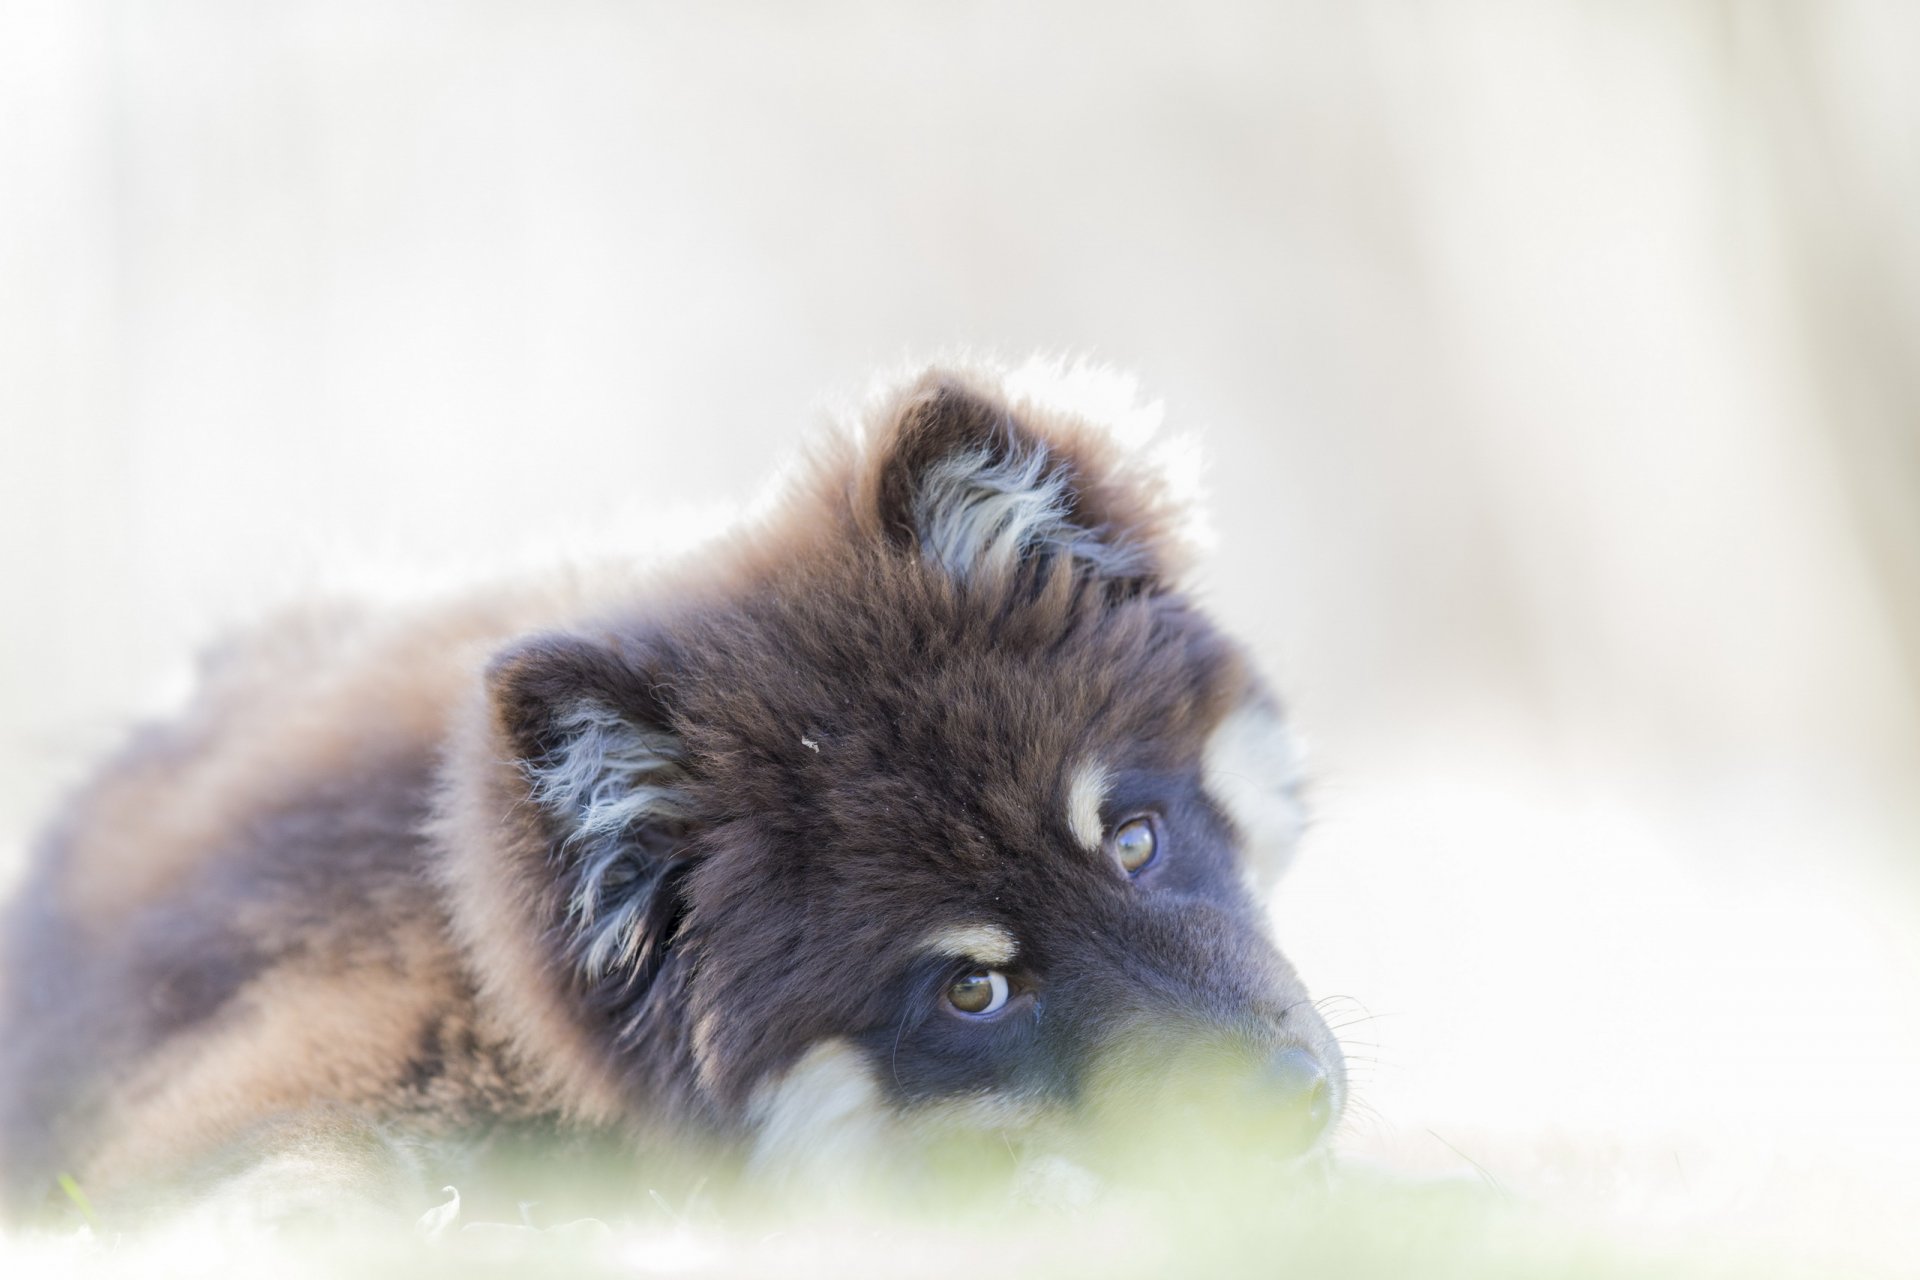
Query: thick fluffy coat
(928, 801)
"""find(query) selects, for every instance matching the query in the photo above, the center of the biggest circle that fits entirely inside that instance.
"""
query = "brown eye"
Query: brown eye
(1134, 844)
(978, 993)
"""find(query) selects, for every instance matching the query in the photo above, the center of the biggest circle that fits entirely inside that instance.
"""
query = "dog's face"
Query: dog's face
(941, 809)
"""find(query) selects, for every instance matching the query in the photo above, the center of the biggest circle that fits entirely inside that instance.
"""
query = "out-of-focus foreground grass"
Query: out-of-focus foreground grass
(1359, 1227)
(1186, 1208)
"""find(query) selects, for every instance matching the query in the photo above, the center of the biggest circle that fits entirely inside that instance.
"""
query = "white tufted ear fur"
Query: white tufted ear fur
(978, 513)
(608, 780)
(979, 485)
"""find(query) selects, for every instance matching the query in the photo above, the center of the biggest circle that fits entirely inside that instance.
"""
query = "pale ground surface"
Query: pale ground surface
(1555, 362)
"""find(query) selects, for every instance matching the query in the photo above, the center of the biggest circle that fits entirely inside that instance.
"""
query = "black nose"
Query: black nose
(1301, 1098)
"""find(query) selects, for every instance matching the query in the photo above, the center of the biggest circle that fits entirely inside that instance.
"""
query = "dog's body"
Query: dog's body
(921, 806)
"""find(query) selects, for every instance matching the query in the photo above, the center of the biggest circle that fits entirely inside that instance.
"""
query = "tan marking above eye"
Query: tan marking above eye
(984, 943)
(1085, 794)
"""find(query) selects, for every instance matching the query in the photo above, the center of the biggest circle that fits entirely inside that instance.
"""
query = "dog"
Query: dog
(927, 802)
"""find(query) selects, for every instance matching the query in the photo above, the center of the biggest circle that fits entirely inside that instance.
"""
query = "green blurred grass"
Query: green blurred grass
(1209, 1214)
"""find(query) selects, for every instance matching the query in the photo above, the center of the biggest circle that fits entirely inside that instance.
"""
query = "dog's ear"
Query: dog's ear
(981, 485)
(592, 732)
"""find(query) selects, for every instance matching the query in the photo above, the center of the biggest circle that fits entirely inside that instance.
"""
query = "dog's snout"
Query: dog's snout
(1301, 1097)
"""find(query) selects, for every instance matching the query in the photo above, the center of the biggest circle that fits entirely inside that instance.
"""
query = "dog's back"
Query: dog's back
(235, 919)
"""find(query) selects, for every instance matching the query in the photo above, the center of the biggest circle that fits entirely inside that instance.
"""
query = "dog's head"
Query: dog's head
(933, 805)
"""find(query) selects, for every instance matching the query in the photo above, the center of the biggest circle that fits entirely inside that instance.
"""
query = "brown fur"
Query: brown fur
(360, 877)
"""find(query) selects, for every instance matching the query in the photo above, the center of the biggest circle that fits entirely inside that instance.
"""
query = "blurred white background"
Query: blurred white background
(1555, 362)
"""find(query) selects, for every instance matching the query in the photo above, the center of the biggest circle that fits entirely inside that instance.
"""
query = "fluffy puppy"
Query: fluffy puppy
(926, 803)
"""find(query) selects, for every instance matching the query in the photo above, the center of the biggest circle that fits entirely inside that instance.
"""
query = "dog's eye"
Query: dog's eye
(1134, 844)
(978, 993)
